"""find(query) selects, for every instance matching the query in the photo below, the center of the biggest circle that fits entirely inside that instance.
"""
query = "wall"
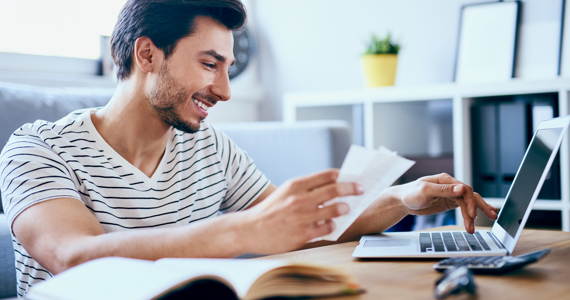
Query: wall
(315, 45)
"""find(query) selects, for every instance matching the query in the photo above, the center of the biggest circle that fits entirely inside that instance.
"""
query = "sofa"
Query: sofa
(280, 150)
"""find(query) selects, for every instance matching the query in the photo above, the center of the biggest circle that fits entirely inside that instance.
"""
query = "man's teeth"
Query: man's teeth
(201, 105)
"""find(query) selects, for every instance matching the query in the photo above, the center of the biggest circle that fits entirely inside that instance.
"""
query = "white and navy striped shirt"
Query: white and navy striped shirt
(200, 176)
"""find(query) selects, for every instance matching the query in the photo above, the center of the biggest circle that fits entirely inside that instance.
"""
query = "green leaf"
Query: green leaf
(385, 45)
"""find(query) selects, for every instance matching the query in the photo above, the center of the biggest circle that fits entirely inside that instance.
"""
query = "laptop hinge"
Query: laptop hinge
(497, 242)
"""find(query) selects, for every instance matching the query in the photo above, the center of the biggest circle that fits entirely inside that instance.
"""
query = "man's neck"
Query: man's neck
(129, 124)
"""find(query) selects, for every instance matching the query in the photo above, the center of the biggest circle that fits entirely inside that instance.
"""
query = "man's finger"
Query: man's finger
(488, 210)
(328, 192)
(331, 211)
(313, 181)
(467, 220)
(438, 190)
(469, 198)
(442, 178)
(320, 229)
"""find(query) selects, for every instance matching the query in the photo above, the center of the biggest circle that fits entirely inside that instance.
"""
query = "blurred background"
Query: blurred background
(299, 49)
(302, 45)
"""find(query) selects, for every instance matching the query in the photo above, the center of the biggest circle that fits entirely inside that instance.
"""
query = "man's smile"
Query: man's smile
(201, 104)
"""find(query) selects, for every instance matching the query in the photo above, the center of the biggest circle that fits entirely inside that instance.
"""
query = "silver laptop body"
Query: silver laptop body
(501, 239)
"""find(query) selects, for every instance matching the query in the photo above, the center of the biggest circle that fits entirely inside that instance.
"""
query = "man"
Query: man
(146, 177)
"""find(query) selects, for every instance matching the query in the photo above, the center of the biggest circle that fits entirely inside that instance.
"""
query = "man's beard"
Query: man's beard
(167, 96)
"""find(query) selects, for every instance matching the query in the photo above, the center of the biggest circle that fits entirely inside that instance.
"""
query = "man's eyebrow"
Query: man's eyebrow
(214, 54)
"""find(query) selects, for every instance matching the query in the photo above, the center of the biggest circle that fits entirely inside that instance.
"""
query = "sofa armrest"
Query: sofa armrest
(7, 263)
(284, 151)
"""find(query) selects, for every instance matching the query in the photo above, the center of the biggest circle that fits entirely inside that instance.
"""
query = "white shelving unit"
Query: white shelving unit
(461, 97)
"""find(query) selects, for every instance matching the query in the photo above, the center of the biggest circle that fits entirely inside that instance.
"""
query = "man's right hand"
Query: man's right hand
(294, 214)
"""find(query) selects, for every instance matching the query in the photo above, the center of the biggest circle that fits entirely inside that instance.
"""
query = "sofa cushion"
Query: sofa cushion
(20, 104)
(284, 151)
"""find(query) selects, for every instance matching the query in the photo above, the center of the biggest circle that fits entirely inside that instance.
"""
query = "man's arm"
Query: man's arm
(62, 233)
(268, 191)
(425, 196)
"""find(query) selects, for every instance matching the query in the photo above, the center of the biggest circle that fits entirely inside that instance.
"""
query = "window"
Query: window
(69, 28)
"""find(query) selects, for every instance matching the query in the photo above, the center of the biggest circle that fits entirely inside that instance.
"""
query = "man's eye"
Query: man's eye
(211, 66)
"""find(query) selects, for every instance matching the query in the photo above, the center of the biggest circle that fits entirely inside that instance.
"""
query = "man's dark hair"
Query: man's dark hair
(165, 22)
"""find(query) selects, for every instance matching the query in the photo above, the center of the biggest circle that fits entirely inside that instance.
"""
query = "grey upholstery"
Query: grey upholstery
(286, 151)
(20, 104)
(281, 151)
(7, 269)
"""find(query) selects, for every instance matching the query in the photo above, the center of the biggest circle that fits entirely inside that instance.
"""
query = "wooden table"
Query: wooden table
(549, 278)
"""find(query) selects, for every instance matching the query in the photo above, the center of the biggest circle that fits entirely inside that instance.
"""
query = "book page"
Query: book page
(375, 170)
(240, 273)
(256, 279)
(111, 278)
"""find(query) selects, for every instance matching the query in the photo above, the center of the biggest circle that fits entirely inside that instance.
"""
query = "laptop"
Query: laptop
(506, 230)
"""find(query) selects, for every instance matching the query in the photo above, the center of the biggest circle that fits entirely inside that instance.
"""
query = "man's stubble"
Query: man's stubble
(167, 96)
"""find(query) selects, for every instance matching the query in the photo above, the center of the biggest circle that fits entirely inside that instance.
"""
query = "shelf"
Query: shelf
(514, 87)
(435, 91)
(376, 95)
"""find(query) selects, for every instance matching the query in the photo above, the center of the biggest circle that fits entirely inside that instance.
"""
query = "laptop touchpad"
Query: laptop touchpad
(387, 243)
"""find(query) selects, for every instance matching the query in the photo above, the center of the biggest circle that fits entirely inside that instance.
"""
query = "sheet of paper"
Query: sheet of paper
(375, 170)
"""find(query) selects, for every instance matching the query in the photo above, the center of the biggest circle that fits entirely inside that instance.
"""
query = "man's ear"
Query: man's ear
(147, 56)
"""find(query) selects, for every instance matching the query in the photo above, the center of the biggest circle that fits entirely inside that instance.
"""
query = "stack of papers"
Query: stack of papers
(375, 170)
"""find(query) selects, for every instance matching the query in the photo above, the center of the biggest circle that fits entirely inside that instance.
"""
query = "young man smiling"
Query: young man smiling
(146, 177)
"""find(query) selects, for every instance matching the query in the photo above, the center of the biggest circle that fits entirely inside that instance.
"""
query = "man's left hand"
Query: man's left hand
(438, 193)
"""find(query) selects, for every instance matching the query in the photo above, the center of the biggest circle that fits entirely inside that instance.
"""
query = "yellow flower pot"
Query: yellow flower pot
(380, 69)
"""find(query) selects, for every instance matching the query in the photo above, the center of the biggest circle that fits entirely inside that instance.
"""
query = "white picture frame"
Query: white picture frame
(539, 39)
(487, 42)
(565, 48)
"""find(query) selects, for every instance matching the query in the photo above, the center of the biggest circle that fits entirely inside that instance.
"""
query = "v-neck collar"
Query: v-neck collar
(110, 152)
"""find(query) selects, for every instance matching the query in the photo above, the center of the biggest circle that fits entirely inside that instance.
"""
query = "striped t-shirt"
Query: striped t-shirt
(200, 176)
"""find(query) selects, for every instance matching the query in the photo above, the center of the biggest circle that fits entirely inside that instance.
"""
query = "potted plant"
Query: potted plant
(380, 61)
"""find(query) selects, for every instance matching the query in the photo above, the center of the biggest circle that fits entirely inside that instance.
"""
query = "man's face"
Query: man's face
(195, 76)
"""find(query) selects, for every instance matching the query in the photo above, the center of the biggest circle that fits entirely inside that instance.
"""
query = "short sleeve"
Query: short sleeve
(31, 172)
(245, 182)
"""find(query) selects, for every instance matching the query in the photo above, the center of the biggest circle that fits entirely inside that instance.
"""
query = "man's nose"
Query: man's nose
(221, 87)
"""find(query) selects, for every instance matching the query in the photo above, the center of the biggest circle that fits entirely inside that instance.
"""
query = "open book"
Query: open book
(187, 278)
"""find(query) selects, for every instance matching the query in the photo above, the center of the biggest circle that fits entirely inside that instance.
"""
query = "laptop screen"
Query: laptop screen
(527, 179)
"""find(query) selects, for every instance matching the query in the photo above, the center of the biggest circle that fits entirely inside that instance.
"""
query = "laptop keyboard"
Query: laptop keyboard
(452, 241)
